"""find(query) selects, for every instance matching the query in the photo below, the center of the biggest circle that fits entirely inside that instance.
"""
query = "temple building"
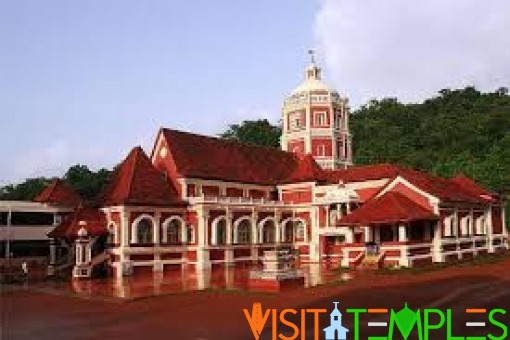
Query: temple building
(203, 201)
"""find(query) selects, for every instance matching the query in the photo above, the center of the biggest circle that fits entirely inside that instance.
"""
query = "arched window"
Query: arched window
(244, 232)
(173, 232)
(221, 232)
(144, 231)
(269, 232)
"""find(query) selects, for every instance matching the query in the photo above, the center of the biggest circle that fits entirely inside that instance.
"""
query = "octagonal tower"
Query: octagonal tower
(316, 122)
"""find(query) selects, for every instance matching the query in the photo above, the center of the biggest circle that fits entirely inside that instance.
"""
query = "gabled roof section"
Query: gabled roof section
(473, 188)
(364, 173)
(58, 193)
(137, 182)
(197, 156)
(442, 188)
(307, 170)
(392, 207)
(92, 220)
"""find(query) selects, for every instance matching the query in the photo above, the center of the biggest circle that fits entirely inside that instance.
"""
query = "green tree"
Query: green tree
(26, 190)
(259, 132)
(87, 183)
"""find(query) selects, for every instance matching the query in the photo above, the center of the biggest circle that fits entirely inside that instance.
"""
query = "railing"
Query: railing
(234, 200)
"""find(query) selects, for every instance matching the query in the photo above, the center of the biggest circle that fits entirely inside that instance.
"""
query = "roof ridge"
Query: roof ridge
(230, 141)
(133, 169)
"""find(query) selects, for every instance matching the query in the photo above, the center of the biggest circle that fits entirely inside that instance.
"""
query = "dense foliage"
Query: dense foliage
(259, 132)
(86, 182)
(458, 131)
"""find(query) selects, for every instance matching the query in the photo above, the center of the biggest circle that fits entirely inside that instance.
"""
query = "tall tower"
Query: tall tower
(316, 122)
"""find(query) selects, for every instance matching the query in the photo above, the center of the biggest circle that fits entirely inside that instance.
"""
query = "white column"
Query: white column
(437, 254)
(203, 259)
(314, 245)
(230, 228)
(367, 234)
(229, 252)
(278, 229)
(157, 229)
(158, 265)
(402, 237)
(124, 266)
(490, 231)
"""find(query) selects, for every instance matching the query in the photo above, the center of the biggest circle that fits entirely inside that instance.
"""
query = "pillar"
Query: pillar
(437, 254)
(490, 231)
(367, 234)
(158, 265)
(278, 230)
(229, 251)
(53, 257)
(402, 237)
(203, 258)
(254, 236)
(125, 267)
(313, 241)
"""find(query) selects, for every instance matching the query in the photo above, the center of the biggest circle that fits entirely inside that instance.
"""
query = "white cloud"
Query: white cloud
(410, 49)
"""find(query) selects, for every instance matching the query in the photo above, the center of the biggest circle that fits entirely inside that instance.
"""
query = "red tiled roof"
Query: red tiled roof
(392, 207)
(367, 193)
(220, 159)
(58, 193)
(307, 170)
(442, 188)
(93, 220)
(137, 182)
(364, 173)
(473, 188)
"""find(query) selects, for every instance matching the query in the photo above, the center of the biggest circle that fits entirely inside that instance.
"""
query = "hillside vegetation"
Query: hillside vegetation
(458, 131)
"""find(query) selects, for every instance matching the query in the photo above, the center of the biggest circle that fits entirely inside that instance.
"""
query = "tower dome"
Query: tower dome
(316, 121)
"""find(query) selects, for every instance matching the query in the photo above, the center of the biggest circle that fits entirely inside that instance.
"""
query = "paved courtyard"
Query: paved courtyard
(217, 314)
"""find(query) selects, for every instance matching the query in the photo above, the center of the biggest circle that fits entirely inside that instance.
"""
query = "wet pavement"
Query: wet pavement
(186, 279)
(218, 313)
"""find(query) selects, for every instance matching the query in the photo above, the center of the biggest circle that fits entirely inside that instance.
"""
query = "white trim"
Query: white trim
(236, 226)
(133, 228)
(214, 230)
(164, 229)
(261, 226)
(432, 199)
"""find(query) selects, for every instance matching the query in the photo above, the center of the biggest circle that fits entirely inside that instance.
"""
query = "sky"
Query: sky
(85, 81)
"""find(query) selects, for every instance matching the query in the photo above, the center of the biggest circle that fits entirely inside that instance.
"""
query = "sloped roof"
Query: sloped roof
(392, 207)
(307, 170)
(207, 157)
(364, 173)
(442, 188)
(93, 220)
(137, 182)
(58, 193)
(474, 188)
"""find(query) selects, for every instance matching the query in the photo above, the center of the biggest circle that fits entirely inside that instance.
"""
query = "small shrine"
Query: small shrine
(278, 271)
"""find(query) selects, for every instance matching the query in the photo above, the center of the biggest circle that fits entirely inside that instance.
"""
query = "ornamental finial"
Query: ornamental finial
(312, 55)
